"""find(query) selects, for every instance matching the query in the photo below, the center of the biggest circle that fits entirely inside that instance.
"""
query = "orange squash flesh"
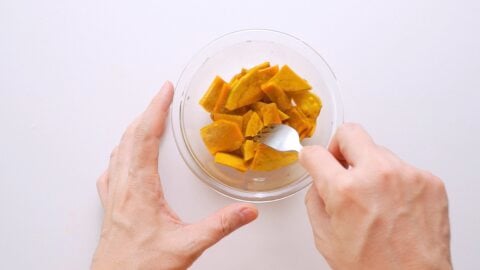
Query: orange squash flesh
(230, 160)
(213, 135)
(297, 120)
(222, 98)
(248, 149)
(247, 90)
(237, 119)
(268, 159)
(270, 115)
(246, 118)
(287, 80)
(283, 115)
(278, 96)
(209, 99)
(308, 103)
(254, 125)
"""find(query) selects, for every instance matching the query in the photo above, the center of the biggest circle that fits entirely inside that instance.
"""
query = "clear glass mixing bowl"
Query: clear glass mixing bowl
(225, 56)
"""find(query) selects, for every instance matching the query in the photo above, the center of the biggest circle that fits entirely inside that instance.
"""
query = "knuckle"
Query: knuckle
(435, 181)
(387, 170)
(345, 196)
(346, 189)
(412, 175)
(141, 131)
(225, 226)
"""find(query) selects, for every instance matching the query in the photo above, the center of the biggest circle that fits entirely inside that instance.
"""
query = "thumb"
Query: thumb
(215, 227)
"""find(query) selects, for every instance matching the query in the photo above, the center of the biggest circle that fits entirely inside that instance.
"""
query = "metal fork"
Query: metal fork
(280, 137)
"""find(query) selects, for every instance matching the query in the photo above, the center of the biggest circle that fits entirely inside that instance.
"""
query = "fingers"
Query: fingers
(222, 223)
(150, 127)
(322, 167)
(102, 188)
(351, 143)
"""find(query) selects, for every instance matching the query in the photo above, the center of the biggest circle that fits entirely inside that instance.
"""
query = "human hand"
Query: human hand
(140, 231)
(370, 210)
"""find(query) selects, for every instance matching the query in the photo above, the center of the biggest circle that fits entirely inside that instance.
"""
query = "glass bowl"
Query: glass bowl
(225, 57)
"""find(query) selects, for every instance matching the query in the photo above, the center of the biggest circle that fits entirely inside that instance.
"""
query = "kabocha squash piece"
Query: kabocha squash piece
(222, 98)
(246, 119)
(230, 160)
(297, 120)
(257, 106)
(248, 149)
(254, 125)
(239, 111)
(237, 119)
(268, 159)
(247, 90)
(222, 136)
(309, 103)
(268, 71)
(287, 80)
(306, 133)
(313, 126)
(260, 66)
(270, 115)
(283, 115)
(278, 96)
(209, 99)
(238, 76)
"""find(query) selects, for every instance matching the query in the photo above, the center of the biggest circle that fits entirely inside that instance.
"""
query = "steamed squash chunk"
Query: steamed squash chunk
(222, 98)
(248, 149)
(311, 131)
(247, 90)
(246, 119)
(237, 119)
(254, 125)
(298, 120)
(278, 96)
(209, 99)
(237, 76)
(268, 71)
(287, 80)
(268, 159)
(308, 103)
(257, 106)
(230, 160)
(260, 66)
(222, 136)
(283, 115)
(270, 114)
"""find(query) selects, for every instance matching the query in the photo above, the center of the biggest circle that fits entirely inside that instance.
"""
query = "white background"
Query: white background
(73, 74)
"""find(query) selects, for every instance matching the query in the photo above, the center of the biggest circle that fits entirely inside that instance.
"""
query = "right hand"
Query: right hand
(370, 210)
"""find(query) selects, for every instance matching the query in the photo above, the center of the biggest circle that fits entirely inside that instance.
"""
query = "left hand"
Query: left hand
(140, 231)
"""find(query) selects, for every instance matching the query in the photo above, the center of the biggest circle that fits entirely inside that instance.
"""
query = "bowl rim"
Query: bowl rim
(192, 163)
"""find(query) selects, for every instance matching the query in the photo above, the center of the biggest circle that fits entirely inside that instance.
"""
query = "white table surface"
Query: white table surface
(73, 74)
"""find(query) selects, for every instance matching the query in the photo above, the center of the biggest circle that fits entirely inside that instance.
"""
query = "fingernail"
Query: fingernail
(248, 214)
